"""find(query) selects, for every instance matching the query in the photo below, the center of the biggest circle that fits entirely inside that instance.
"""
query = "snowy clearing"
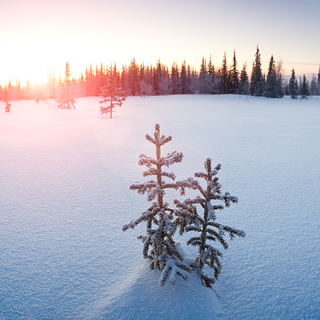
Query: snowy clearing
(64, 196)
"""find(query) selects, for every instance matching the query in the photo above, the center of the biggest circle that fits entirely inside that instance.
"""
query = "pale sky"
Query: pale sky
(37, 35)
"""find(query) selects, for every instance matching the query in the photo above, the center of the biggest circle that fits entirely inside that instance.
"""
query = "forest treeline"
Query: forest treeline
(147, 80)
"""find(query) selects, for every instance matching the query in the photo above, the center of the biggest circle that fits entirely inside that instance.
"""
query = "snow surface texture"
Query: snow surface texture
(64, 196)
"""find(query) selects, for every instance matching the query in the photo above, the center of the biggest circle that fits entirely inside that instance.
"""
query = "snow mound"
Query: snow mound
(139, 296)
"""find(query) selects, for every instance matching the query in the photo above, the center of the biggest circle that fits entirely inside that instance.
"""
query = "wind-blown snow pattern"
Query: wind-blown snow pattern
(64, 196)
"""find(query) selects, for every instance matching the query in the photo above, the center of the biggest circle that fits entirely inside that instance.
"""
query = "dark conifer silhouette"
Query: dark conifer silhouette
(313, 86)
(211, 76)
(174, 85)
(205, 224)
(202, 79)
(224, 76)
(234, 75)
(318, 82)
(159, 245)
(293, 85)
(271, 83)
(256, 87)
(183, 89)
(304, 88)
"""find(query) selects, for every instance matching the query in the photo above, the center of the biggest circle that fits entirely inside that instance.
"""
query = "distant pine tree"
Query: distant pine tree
(212, 86)
(293, 85)
(318, 82)
(145, 89)
(174, 83)
(113, 95)
(89, 78)
(159, 245)
(66, 97)
(189, 79)
(224, 76)
(304, 90)
(256, 86)
(244, 87)
(194, 82)
(234, 75)
(183, 89)
(133, 78)
(205, 224)
(271, 83)
(203, 76)
(8, 105)
(164, 84)
(156, 77)
(313, 86)
(279, 71)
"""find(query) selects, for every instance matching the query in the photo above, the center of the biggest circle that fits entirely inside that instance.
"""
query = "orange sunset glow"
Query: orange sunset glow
(37, 36)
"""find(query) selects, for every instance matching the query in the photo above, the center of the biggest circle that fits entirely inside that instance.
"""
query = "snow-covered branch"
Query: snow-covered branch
(171, 270)
(143, 187)
(171, 158)
(143, 217)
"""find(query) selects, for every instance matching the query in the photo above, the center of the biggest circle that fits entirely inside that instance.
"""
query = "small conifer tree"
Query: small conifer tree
(205, 224)
(113, 96)
(159, 245)
(66, 97)
(7, 106)
(6, 101)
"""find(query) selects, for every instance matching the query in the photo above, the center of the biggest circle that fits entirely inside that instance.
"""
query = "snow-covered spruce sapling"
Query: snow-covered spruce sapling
(113, 97)
(159, 245)
(205, 224)
(7, 106)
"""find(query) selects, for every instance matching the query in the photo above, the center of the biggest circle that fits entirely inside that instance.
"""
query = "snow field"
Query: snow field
(64, 195)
